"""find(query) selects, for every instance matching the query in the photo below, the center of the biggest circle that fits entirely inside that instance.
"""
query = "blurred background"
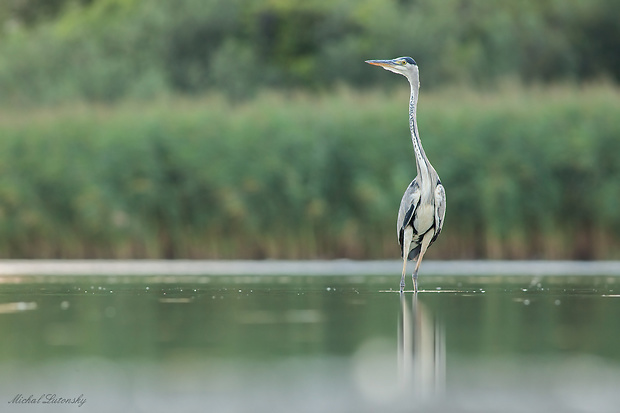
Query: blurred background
(254, 129)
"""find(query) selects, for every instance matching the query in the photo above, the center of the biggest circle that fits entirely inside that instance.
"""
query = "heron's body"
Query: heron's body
(423, 206)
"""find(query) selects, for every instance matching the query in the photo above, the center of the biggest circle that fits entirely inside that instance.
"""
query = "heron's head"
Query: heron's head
(405, 66)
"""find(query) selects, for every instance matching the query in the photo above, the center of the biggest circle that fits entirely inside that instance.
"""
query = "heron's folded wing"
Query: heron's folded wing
(440, 208)
(408, 205)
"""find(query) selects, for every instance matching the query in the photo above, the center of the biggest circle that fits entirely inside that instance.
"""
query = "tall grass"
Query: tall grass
(528, 174)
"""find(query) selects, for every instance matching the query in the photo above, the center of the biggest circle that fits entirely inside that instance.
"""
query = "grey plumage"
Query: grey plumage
(423, 205)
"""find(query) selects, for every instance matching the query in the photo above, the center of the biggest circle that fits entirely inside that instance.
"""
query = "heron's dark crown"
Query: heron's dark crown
(408, 59)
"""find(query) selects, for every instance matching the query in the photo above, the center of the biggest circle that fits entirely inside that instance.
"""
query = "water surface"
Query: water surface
(307, 343)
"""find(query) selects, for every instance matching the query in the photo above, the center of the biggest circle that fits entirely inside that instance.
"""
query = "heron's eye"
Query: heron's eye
(403, 62)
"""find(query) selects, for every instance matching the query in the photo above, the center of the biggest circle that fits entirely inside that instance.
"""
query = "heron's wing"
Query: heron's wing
(440, 208)
(408, 204)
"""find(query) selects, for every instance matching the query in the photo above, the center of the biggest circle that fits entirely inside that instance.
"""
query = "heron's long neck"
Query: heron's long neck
(422, 163)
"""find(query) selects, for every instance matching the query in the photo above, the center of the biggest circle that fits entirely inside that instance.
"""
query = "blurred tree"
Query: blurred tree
(30, 12)
(110, 49)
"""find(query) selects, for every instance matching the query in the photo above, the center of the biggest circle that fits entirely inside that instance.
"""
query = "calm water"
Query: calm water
(309, 344)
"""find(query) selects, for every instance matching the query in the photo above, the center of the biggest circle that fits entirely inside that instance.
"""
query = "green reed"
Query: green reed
(529, 174)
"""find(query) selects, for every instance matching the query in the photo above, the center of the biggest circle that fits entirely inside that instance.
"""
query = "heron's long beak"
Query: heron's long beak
(382, 63)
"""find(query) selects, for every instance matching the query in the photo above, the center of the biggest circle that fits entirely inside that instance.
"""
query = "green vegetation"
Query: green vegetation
(235, 128)
(104, 50)
(528, 173)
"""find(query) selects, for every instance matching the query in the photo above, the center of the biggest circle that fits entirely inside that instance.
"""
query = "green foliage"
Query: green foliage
(105, 50)
(528, 174)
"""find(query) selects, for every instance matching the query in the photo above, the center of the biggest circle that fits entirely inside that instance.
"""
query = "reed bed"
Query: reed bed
(529, 173)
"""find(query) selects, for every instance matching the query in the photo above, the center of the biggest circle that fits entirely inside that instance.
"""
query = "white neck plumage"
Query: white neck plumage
(422, 163)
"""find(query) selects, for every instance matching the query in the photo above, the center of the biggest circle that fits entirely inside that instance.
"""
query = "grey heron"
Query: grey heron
(423, 206)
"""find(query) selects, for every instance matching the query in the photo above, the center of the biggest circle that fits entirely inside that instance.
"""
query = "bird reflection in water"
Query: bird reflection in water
(421, 349)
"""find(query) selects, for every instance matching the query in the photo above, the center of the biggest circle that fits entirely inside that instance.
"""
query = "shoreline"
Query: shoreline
(303, 268)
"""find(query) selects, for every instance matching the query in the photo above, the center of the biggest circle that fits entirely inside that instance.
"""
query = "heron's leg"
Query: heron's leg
(414, 276)
(425, 243)
(406, 247)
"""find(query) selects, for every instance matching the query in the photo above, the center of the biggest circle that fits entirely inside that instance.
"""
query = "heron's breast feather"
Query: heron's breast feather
(424, 218)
